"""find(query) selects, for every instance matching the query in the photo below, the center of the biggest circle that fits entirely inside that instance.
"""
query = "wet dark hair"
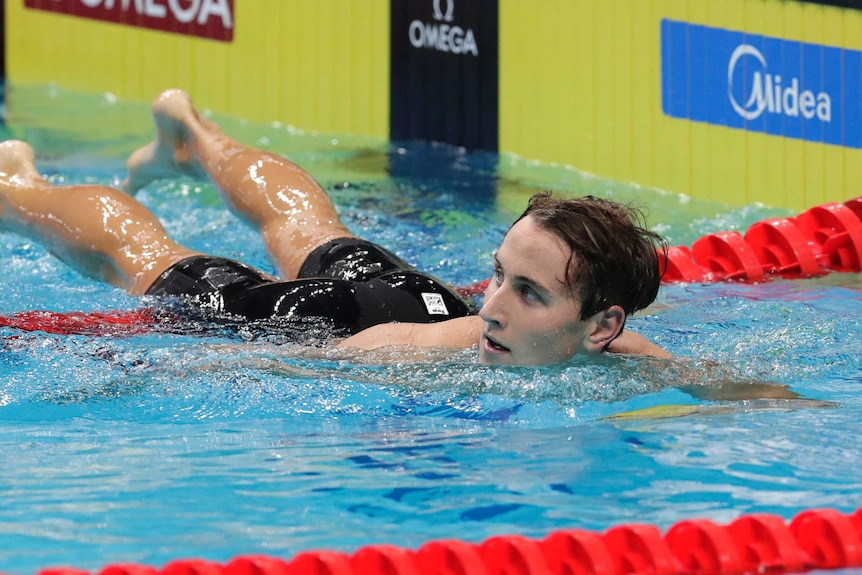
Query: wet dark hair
(614, 259)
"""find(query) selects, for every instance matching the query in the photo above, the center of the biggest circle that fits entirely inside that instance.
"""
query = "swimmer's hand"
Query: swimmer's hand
(711, 380)
(629, 342)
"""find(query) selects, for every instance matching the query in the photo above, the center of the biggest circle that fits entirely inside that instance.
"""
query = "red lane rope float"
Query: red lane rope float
(475, 290)
(822, 239)
(816, 539)
(83, 323)
(113, 323)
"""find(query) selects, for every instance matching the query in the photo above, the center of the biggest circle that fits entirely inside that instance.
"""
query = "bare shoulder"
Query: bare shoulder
(462, 332)
(630, 342)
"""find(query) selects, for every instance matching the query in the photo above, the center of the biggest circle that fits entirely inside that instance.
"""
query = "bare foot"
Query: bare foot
(17, 164)
(172, 154)
(18, 175)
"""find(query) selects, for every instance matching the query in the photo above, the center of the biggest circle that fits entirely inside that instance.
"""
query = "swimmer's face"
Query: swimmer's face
(530, 314)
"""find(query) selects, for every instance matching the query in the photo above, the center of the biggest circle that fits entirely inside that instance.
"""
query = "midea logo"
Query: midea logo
(768, 95)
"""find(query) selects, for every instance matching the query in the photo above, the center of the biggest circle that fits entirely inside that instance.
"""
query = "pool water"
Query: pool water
(161, 446)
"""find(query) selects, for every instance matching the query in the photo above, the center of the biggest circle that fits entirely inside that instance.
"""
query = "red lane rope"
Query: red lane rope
(112, 323)
(816, 539)
(820, 240)
(83, 323)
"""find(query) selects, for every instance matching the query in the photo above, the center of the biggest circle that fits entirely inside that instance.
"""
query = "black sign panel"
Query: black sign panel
(857, 4)
(444, 76)
(2, 46)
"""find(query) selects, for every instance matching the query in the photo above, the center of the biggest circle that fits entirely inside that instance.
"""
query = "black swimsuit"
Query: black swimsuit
(344, 286)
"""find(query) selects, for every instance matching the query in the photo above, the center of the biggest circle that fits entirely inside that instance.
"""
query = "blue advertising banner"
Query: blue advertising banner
(762, 84)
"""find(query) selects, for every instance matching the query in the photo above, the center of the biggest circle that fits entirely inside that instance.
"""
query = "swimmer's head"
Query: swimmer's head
(566, 276)
(613, 256)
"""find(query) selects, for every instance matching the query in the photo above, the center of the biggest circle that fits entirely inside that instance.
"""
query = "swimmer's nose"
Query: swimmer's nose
(493, 305)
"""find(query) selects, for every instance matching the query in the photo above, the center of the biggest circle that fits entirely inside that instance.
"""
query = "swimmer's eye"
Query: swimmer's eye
(529, 293)
(525, 290)
(498, 276)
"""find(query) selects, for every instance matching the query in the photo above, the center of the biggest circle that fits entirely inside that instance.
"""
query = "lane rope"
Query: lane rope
(823, 239)
(815, 539)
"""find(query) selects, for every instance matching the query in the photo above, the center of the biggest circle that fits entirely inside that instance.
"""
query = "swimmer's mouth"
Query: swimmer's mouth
(493, 345)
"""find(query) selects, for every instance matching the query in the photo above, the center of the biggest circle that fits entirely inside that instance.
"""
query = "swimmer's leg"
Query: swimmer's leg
(100, 231)
(284, 203)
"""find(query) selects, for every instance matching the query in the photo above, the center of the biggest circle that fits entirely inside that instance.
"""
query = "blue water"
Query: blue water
(163, 446)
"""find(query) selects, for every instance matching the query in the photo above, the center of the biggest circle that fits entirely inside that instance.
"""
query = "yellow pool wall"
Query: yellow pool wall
(321, 65)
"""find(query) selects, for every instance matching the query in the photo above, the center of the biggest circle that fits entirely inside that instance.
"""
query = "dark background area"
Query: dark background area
(439, 96)
(2, 41)
(857, 4)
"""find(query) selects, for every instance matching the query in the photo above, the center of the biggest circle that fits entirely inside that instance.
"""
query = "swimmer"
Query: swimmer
(568, 273)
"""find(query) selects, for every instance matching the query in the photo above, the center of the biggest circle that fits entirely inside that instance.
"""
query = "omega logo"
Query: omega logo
(450, 8)
(443, 37)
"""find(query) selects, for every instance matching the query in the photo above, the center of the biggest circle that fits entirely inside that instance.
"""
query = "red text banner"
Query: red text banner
(212, 19)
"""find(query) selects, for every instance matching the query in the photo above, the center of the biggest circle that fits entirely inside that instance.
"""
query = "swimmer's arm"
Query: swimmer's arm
(459, 333)
(629, 342)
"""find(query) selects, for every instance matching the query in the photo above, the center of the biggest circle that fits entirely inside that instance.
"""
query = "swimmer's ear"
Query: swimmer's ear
(606, 325)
